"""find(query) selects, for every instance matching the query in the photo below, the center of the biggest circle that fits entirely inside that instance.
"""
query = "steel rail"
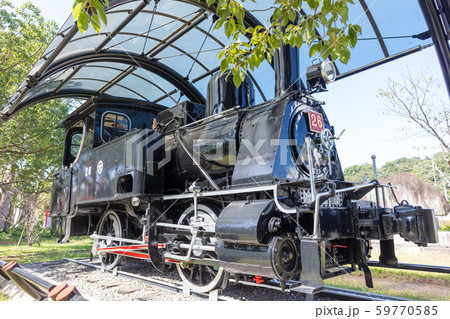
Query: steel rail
(342, 293)
(32, 278)
(417, 267)
(350, 295)
(37, 287)
(335, 292)
(152, 282)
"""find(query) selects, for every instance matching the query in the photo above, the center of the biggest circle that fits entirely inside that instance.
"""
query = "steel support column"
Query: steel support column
(438, 34)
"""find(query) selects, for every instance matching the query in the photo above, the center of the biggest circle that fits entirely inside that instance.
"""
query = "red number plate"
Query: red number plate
(315, 121)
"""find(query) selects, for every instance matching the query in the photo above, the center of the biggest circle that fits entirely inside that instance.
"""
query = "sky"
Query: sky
(351, 104)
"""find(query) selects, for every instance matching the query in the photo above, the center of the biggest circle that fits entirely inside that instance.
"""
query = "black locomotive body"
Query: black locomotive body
(226, 188)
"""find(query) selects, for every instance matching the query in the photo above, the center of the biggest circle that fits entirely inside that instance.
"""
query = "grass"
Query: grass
(405, 292)
(403, 283)
(4, 297)
(46, 250)
(411, 276)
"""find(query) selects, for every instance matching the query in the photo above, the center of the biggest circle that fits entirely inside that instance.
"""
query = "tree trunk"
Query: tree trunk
(31, 218)
(5, 200)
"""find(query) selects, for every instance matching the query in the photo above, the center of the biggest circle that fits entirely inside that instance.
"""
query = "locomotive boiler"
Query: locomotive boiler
(228, 187)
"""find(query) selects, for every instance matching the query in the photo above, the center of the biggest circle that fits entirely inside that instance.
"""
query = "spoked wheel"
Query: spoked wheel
(202, 278)
(110, 226)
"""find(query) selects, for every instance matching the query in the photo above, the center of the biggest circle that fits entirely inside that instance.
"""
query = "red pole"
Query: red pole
(46, 214)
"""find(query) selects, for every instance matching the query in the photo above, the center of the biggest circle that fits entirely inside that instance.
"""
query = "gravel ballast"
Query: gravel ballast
(96, 285)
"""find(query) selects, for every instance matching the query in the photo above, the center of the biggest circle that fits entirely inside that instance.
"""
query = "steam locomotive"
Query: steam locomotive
(225, 189)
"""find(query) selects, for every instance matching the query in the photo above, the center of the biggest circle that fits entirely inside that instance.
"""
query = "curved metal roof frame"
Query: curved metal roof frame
(146, 62)
(52, 64)
(132, 60)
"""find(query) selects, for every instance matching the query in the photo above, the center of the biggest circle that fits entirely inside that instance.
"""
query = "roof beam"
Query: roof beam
(119, 77)
(375, 27)
(178, 33)
(69, 77)
(122, 25)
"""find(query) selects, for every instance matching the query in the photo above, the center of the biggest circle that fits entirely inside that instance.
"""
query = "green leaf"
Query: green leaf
(353, 37)
(210, 2)
(297, 4)
(325, 51)
(77, 2)
(242, 75)
(95, 21)
(224, 65)
(311, 3)
(344, 55)
(298, 40)
(236, 76)
(327, 5)
(344, 14)
(292, 15)
(83, 22)
(314, 49)
(285, 20)
(103, 17)
(97, 5)
(79, 8)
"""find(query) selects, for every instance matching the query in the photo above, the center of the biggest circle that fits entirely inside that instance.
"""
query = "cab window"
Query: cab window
(114, 125)
(75, 143)
(72, 147)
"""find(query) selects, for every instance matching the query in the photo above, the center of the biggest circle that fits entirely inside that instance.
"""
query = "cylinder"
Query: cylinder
(279, 258)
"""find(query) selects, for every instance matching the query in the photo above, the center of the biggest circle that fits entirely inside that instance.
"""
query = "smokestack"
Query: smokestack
(286, 65)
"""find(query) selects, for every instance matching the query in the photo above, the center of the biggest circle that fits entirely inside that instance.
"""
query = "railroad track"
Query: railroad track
(154, 282)
(328, 292)
(416, 267)
(354, 295)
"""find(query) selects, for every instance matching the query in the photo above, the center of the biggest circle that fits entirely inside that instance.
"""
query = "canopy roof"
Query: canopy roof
(163, 53)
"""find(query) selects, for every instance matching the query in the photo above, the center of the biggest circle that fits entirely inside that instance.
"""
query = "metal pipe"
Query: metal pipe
(205, 174)
(311, 167)
(375, 176)
(380, 62)
(199, 247)
(173, 226)
(328, 194)
(125, 240)
(356, 187)
(273, 188)
(279, 205)
(221, 192)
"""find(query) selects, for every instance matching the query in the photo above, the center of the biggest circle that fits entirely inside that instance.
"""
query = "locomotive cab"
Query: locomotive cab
(99, 160)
